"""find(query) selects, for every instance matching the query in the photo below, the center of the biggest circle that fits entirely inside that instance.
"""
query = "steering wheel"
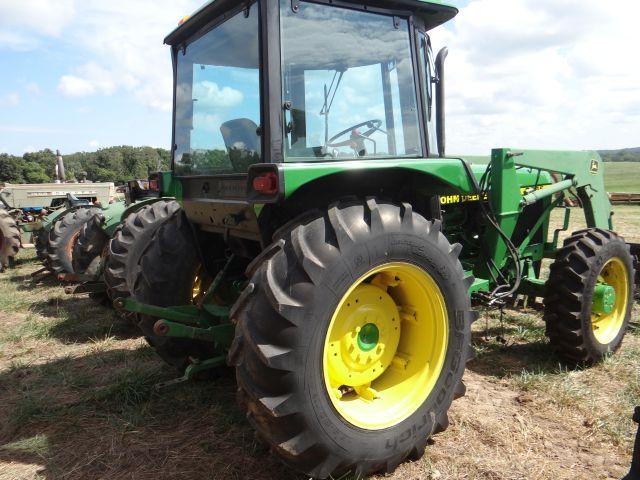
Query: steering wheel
(356, 139)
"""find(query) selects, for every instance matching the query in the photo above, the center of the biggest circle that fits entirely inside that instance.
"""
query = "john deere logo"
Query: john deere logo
(595, 166)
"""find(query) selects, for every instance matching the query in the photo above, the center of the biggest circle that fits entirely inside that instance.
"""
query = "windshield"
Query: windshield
(349, 84)
(217, 111)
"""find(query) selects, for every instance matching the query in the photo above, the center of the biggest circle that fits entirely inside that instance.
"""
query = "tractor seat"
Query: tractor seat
(74, 201)
(242, 142)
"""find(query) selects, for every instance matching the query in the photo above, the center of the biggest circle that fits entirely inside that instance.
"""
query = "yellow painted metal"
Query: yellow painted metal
(376, 387)
(607, 326)
(196, 289)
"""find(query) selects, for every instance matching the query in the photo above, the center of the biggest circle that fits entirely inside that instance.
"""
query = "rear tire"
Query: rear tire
(63, 237)
(9, 240)
(577, 332)
(165, 277)
(39, 239)
(285, 317)
(89, 250)
(129, 243)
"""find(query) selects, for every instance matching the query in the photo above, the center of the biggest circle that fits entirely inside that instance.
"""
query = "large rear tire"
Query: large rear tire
(589, 295)
(89, 249)
(352, 339)
(166, 275)
(129, 243)
(9, 240)
(63, 237)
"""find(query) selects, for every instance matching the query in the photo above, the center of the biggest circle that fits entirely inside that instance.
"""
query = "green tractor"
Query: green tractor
(330, 251)
(110, 240)
(34, 214)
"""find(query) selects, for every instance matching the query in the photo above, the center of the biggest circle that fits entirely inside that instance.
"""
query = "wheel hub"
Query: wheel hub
(369, 336)
(604, 299)
(610, 299)
(385, 346)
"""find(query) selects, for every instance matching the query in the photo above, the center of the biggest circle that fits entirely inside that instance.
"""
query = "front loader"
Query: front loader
(331, 252)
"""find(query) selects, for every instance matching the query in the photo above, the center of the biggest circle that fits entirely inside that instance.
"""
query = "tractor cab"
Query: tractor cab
(274, 81)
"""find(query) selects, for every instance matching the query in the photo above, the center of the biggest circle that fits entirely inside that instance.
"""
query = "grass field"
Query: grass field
(622, 177)
(77, 401)
(619, 177)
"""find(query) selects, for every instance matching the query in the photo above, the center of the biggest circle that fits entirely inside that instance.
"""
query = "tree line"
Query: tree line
(624, 155)
(113, 164)
(119, 164)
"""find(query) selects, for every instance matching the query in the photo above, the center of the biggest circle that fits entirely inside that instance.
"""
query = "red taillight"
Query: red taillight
(267, 183)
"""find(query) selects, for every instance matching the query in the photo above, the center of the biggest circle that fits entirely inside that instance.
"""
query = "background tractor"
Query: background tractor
(330, 251)
(28, 212)
(111, 241)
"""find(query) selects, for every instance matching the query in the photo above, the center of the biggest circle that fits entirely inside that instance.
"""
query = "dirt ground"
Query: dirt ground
(78, 401)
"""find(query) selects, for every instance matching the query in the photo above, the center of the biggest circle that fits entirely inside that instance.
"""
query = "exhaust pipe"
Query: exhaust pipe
(60, 173)
(440, 101)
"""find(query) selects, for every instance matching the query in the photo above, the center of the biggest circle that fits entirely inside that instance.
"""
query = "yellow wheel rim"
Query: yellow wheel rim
(385, 346)
(606, 326)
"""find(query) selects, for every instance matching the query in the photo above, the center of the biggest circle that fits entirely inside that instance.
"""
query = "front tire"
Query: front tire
(584, 321)
(355, 254)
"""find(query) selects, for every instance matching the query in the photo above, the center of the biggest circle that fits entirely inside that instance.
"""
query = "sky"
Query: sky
(83, 74)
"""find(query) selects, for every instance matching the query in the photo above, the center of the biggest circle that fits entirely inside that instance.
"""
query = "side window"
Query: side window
(428, 67)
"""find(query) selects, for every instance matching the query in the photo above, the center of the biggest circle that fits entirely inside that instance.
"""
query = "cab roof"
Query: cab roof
(432, 12)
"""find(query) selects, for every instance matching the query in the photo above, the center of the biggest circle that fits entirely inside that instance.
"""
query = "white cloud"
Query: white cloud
(45, 16)
(209, 94)
(94, 144)
(121, 39)
(542, 74)
(90, 79)
(73, 86)
(10, 99)
(128, 53)
(33, 88)
(24, 23)
(29, 149)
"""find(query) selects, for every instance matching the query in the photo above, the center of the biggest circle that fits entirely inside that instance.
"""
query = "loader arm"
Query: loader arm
(580, 170)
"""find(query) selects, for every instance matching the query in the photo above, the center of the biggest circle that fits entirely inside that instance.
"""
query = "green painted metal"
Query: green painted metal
(112, 214)
(604, 299)
(194, 370)
(171, 186)
(584, 169)
(220, 335)
(536, 196)
(479, 285)
(544, 218)
(182, 314)
(449, 172)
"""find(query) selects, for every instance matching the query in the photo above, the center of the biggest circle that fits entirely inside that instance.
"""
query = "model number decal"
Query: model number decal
(455, 199)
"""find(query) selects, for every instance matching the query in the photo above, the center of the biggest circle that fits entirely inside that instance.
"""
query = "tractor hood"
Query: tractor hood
(432, 12)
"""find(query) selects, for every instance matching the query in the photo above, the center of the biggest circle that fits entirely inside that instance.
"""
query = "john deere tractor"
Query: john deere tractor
(331, 252)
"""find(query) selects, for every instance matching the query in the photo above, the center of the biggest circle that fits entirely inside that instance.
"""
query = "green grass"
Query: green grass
(622, 177)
